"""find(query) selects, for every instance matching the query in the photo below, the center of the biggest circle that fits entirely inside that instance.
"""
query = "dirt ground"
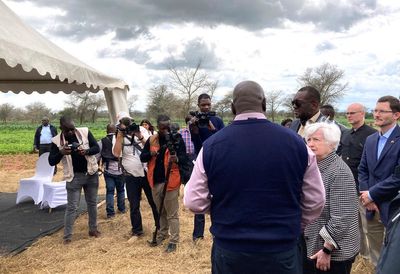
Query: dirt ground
(114, 251)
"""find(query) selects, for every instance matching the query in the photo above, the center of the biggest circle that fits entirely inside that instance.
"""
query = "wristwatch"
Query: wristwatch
(326, 250)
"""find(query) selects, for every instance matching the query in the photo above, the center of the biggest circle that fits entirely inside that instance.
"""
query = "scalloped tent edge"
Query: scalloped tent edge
(31, 63)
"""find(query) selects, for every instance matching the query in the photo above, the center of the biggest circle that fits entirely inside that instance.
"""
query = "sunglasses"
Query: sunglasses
(297, 103)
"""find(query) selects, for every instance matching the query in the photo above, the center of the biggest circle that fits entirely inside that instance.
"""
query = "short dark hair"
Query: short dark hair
(394, 103)
(162, 118)
(203, 96)
(284, 122)
(65, 119)
(312, 92)
(188, 118)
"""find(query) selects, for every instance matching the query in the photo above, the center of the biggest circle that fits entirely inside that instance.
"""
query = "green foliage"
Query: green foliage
(17, 137)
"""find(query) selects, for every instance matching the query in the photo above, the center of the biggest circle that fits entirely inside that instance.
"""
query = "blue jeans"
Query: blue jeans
(114, 182)
(199, 223)
(90, 185)
(286, 262)
(134, 186)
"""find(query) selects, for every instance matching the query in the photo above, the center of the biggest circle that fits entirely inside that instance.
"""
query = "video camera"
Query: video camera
(130, 126)
(172, 139)
(203, 117)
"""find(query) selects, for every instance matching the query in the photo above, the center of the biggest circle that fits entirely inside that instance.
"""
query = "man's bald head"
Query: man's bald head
(248, 96)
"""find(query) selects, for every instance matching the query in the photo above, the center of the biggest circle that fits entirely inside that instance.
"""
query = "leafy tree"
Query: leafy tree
(161, 101)
(327, 79)
(36, 111)
(85, 105)
(6, 112)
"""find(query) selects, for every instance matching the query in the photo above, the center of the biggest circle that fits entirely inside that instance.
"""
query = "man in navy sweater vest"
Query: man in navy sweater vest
(261, 186)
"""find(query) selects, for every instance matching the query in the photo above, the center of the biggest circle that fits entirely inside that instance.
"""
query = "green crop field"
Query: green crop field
(17, 137)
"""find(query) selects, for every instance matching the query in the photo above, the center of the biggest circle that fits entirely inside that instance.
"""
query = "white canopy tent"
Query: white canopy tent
(29, 62)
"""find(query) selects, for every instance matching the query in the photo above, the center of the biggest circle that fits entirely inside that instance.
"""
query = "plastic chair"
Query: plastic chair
(54, 195)
(32, 188)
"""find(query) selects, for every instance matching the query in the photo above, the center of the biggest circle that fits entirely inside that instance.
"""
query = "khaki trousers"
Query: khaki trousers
(169, 218)
(374, 232)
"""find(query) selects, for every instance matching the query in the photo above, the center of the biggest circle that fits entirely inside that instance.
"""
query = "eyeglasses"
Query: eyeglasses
(379, 111)
(352, 112)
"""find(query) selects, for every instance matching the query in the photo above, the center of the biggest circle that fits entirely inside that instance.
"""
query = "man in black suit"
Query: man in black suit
(306, 108)
(351, 148)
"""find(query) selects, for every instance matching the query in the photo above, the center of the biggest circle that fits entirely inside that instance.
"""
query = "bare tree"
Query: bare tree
(211, 87)
(287, 104)
(188, 82)
(223, 106)
(274, 100)
(132, 101)
(6, 111)
(36, 111)
(327, 79)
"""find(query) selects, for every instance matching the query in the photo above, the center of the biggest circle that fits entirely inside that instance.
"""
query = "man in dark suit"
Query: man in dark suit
(306, 108)
(379, 171)
(351, 148)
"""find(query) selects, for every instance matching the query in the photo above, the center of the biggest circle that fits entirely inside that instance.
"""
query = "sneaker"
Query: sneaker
(122, 211)
(110, 216)
(94, 233)
(170, 248)
(67, 241)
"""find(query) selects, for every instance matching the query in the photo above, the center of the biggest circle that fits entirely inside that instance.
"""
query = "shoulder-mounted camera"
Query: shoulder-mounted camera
(203, 118)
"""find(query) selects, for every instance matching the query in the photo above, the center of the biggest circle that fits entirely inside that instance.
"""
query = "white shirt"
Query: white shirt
(131, 155)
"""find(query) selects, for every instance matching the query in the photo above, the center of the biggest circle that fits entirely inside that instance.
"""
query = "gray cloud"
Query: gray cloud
(129, 19)
(133, 54)
(195, 50)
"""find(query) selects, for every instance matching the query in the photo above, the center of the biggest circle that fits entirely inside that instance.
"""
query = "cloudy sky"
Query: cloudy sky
(272, 42)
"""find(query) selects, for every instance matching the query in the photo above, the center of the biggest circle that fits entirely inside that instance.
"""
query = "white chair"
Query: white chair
(32, 188)
(54, 195)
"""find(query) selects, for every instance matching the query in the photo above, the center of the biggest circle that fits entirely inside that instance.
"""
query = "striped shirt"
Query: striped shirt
(338, 223)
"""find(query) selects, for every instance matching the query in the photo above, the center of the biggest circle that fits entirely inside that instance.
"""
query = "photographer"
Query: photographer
(200, 134)
(76, 149)
(128, 146)
(112, 173)
(159, 151)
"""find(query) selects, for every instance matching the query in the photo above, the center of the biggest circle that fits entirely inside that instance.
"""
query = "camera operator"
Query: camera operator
(128, 145)
(200, 135)
(76, 149)
(159, 151)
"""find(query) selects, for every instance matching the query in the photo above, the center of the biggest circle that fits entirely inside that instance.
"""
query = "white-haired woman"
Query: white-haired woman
(333, 240)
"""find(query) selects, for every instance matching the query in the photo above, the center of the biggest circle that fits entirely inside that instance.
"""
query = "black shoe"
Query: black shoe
(94, 233)
(170, 248)
(67, 241)
(199, 238)
(110, 216)
(156, 243)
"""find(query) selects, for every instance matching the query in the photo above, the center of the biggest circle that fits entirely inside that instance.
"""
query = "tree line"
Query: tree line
(178, 95)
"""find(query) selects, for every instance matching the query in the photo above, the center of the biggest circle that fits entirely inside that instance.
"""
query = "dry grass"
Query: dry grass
(113, 252)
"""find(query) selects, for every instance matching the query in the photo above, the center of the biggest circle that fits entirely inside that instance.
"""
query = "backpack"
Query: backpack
(106, 150)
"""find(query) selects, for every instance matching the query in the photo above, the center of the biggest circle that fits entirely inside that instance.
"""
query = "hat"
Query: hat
(123, 114)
